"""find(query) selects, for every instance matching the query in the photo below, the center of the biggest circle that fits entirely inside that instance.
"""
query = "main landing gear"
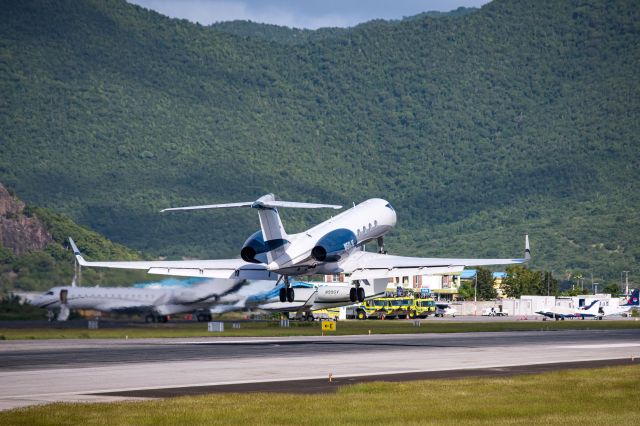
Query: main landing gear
(356, 294)
(286, 293)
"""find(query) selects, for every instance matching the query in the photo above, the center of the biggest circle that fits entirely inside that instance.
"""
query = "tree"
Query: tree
(486, 289)
(521, 280)
(466, 290)
(611, 288)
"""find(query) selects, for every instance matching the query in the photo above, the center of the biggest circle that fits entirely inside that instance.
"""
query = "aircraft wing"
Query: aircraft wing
(223, 268)
(363, 265)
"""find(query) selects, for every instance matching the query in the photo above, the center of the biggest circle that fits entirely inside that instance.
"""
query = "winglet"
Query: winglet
(527, 250)
(76, 252)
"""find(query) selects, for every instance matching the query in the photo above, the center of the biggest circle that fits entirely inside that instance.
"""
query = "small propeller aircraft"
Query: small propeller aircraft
(331, 247)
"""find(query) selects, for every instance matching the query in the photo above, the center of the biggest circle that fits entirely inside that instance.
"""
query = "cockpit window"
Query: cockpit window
(49, 293)
(389, 206)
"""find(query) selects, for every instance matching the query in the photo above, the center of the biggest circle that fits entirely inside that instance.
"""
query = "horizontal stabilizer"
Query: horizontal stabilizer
(265, 202)
(209, 206)
(295, 205)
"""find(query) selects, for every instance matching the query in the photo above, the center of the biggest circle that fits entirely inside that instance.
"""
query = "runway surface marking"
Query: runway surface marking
(70, 371)
(601, 346)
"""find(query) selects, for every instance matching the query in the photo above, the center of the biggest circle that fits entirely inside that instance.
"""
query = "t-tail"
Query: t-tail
(591, 310)
(274, 237)
(634, 298)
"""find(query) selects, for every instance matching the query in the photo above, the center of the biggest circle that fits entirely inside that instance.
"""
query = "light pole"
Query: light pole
(626, 288)
(475, 295)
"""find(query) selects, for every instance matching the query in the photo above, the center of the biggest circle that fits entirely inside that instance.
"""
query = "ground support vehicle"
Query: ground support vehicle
(373, 308)
(492, 312)
(390, 307)
(326, 314)
(424, 307)
(443, 309)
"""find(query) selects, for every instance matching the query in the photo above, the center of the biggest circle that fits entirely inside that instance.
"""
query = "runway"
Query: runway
(33, 372)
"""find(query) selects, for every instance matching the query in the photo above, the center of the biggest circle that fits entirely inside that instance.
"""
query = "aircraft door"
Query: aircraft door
(63, 296)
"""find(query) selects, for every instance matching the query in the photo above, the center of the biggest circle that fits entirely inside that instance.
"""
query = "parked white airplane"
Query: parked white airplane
(561, 312)
(608, 310)
(155, 303)
(624, 309)
(334, 246)
(210, 296)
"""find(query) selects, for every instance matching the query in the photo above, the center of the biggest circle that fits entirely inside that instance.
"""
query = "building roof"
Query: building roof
(469, 274)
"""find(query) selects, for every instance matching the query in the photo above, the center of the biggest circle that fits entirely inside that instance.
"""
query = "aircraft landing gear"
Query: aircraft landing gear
(286, 293)
(356, 294)
(381, 249)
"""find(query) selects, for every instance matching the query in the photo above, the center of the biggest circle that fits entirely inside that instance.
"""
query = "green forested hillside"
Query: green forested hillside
(53, 264)
(520, 117)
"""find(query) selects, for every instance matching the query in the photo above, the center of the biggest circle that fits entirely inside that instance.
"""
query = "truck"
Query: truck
(404, 306)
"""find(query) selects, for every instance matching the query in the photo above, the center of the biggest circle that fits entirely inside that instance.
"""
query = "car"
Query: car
(443, 309)
(492, 312)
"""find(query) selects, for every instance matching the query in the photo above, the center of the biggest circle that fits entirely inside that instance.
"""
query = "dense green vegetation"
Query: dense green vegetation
(520, 117)
(609, 395)
(54, 266)
(13, 308)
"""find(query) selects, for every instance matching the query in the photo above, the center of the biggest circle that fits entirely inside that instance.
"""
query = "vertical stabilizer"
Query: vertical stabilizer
(270, 222)
(633, 298)
(272, 230)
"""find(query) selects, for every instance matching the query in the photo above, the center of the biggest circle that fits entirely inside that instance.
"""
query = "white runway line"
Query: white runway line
(601, 346)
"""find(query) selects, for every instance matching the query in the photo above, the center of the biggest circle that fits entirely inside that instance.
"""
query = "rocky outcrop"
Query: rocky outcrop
(19, 232)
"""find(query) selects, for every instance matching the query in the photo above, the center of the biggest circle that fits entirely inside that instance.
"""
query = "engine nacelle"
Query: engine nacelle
(333, 245)
(255, 249)
(333, 294)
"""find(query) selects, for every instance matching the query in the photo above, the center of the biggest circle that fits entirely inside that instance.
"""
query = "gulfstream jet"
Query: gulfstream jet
(332, 247)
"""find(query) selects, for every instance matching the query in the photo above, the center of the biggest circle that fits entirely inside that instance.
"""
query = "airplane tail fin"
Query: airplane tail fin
(634, 298)
(76, 253)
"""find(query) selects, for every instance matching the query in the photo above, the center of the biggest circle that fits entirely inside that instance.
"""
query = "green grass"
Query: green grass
(268, 329)
(595, 397)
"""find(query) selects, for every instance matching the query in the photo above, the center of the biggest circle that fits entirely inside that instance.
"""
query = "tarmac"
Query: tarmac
(45, 371)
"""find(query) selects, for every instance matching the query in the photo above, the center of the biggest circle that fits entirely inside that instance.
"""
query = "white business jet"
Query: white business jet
(334, 246)
(156, 304)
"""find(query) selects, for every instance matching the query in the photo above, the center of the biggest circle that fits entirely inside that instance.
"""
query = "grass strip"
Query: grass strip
(603, 396)
(272, 329)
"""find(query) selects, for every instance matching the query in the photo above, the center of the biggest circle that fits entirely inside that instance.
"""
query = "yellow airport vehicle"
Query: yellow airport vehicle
(329, 313)
(394, 307)
(373, 308)
(424, 307)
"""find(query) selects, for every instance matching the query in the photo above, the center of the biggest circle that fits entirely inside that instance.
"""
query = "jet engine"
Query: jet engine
(333, 245)
(255, 249)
